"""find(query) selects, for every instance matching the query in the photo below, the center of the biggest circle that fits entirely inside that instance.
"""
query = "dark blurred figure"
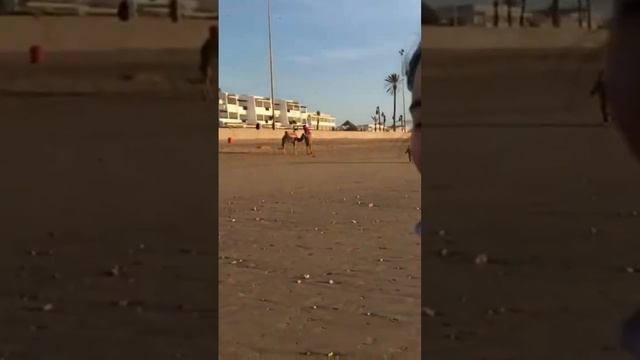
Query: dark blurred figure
(631, 335)
(208, 62)
(174, 11)
(623, 71)
(623, 86)
(600, 89)
(124, 12)
(208, 53)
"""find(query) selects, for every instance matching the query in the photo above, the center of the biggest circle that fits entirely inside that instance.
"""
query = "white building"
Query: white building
(372, 127)
(322, 122)
(249, 110)
(290, 113)
(258, 110)
(229, 110)
(481, 15)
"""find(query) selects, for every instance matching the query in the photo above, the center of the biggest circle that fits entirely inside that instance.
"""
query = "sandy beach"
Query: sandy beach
(527, 174)
(317, 254)
(109, 212)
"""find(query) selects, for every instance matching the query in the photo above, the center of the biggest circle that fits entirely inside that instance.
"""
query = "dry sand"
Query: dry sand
(525, 173)
(345, 216)
(91, 182)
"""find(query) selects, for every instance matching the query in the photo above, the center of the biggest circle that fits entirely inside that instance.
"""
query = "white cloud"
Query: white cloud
(343, 54)
(302, 59)
(356, 53)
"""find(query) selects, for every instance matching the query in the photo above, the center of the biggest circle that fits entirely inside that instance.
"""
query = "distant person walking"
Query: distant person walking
(208, 60)
(600, 89)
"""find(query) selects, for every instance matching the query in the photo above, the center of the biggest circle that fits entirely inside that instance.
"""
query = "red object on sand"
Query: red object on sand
(35, 54)
(229, 140)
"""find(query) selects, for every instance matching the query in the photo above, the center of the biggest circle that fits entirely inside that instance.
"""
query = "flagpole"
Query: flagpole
(273, 100)
(402, 84)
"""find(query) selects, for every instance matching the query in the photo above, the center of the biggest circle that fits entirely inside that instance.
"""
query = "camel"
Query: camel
(292, 138)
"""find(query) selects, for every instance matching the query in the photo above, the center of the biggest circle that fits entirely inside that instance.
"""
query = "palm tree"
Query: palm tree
(375, 122)
(523, 9)
(384, 121)
(496, 15)
(392, 81)
(318, 120)
(510, 4)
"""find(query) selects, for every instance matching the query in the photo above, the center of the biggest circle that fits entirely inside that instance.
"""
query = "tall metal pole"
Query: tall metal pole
(402, 84)
(273, 100)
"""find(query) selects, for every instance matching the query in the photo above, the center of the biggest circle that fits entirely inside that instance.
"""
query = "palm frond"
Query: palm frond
(391, 83)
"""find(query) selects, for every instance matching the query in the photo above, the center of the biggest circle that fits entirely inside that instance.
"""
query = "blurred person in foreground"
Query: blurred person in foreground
(623, 71)
(414, 84)
(623, 87)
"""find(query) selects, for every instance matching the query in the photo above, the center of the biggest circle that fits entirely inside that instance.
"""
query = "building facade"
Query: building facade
(483, 15)
(229, 110)
(321, 122)
(290, 113)
(248, 110)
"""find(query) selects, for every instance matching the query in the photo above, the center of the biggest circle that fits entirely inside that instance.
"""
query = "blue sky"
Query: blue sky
(332, 55)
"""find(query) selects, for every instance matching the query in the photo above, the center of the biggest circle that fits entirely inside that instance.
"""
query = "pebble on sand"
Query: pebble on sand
(481, 259)
(47, 307)
(115, 271)
(429, 312)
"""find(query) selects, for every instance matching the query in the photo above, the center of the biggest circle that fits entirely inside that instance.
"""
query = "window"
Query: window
(260, 117)
(232, 101)
(233, 115)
